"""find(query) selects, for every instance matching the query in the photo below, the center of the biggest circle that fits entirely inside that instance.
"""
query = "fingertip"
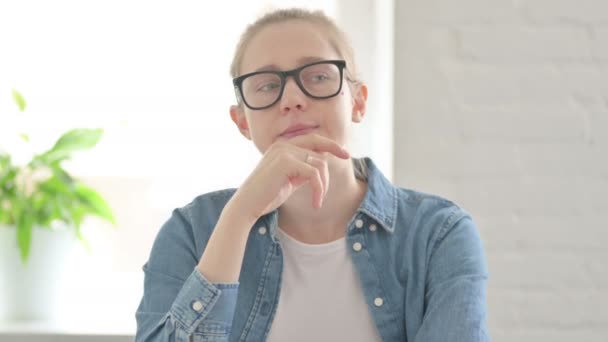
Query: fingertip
(318, 201)
(344, 149)
(345, 153)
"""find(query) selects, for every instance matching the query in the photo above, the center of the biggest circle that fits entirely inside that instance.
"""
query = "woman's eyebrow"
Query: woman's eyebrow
(309, 59)
(267, 67)
(301, 61)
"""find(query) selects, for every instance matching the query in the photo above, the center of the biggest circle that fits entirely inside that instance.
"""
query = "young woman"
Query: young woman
(315, 245)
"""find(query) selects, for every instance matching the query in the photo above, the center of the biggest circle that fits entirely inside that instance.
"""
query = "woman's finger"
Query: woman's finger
(321, 165)
(302, 170)
(320, 144)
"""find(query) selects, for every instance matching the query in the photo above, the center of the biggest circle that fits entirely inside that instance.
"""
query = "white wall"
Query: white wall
(502, 106)
(369, 25)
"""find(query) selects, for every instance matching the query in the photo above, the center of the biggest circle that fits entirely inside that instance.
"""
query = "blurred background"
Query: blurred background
(498, 105)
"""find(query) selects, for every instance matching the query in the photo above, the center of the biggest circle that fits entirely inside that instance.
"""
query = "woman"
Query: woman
(314, 245)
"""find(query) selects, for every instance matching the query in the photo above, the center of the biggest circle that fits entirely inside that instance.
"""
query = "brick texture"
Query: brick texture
(502, 107)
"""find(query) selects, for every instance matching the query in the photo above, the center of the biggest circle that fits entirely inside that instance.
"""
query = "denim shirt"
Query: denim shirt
(421, 255)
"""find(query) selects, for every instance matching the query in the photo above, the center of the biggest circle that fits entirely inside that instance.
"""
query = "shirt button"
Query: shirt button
(357, 246)
(262, 230)
(197, 306)
(378, 302)
(359, 223)
(373, 227)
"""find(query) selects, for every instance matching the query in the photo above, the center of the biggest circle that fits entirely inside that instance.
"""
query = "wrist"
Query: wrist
(236, 214)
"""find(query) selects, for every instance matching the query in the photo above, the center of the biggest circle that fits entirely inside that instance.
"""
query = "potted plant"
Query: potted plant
(42, 208)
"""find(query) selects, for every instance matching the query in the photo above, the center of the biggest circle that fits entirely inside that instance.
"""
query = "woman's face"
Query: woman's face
(287, 46)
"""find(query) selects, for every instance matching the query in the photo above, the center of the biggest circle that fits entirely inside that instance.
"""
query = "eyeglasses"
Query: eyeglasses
(262, 89)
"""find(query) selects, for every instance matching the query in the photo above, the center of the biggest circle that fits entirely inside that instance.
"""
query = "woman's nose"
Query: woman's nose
(293, 97)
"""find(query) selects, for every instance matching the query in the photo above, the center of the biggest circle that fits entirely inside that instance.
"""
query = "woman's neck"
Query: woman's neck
(301, 221)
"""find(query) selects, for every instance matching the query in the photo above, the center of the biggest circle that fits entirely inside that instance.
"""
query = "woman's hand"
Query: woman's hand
(286, 166)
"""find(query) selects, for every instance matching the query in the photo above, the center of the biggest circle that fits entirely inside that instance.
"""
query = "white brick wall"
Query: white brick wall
(502, 106)
(600, 44)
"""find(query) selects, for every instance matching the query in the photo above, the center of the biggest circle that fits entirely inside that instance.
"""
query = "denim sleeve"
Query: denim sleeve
(455, 295)
(179, 304)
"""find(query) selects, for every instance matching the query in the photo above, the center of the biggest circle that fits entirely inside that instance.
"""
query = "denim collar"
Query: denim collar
(379, 203)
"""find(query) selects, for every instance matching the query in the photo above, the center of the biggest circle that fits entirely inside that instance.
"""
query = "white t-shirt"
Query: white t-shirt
(321, 298)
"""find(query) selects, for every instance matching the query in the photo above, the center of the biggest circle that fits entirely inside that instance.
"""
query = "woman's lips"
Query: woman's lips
(297, 132)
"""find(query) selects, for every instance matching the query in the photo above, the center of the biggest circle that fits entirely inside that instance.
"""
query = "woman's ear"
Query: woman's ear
(359, 102)
(238, 117)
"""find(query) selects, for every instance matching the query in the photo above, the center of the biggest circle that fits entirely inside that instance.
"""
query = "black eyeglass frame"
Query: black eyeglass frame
(295, 73)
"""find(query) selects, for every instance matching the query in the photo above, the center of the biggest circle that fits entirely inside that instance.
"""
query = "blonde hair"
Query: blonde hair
(337, 38)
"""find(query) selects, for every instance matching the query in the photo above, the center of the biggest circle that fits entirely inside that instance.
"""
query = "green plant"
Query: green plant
(42, 193)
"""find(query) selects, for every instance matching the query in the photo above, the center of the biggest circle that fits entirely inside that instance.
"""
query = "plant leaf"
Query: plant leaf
(24, 235)
(94, 202)
(54, 186)
(72, 141)
(5, 168)
(25, 137)
(78, 139)
(78, 214)
(4, 217)
(19, 100)
(7, 190)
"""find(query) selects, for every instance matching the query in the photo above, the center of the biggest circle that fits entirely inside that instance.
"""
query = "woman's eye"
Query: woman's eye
(268, 87)
(319, 77)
